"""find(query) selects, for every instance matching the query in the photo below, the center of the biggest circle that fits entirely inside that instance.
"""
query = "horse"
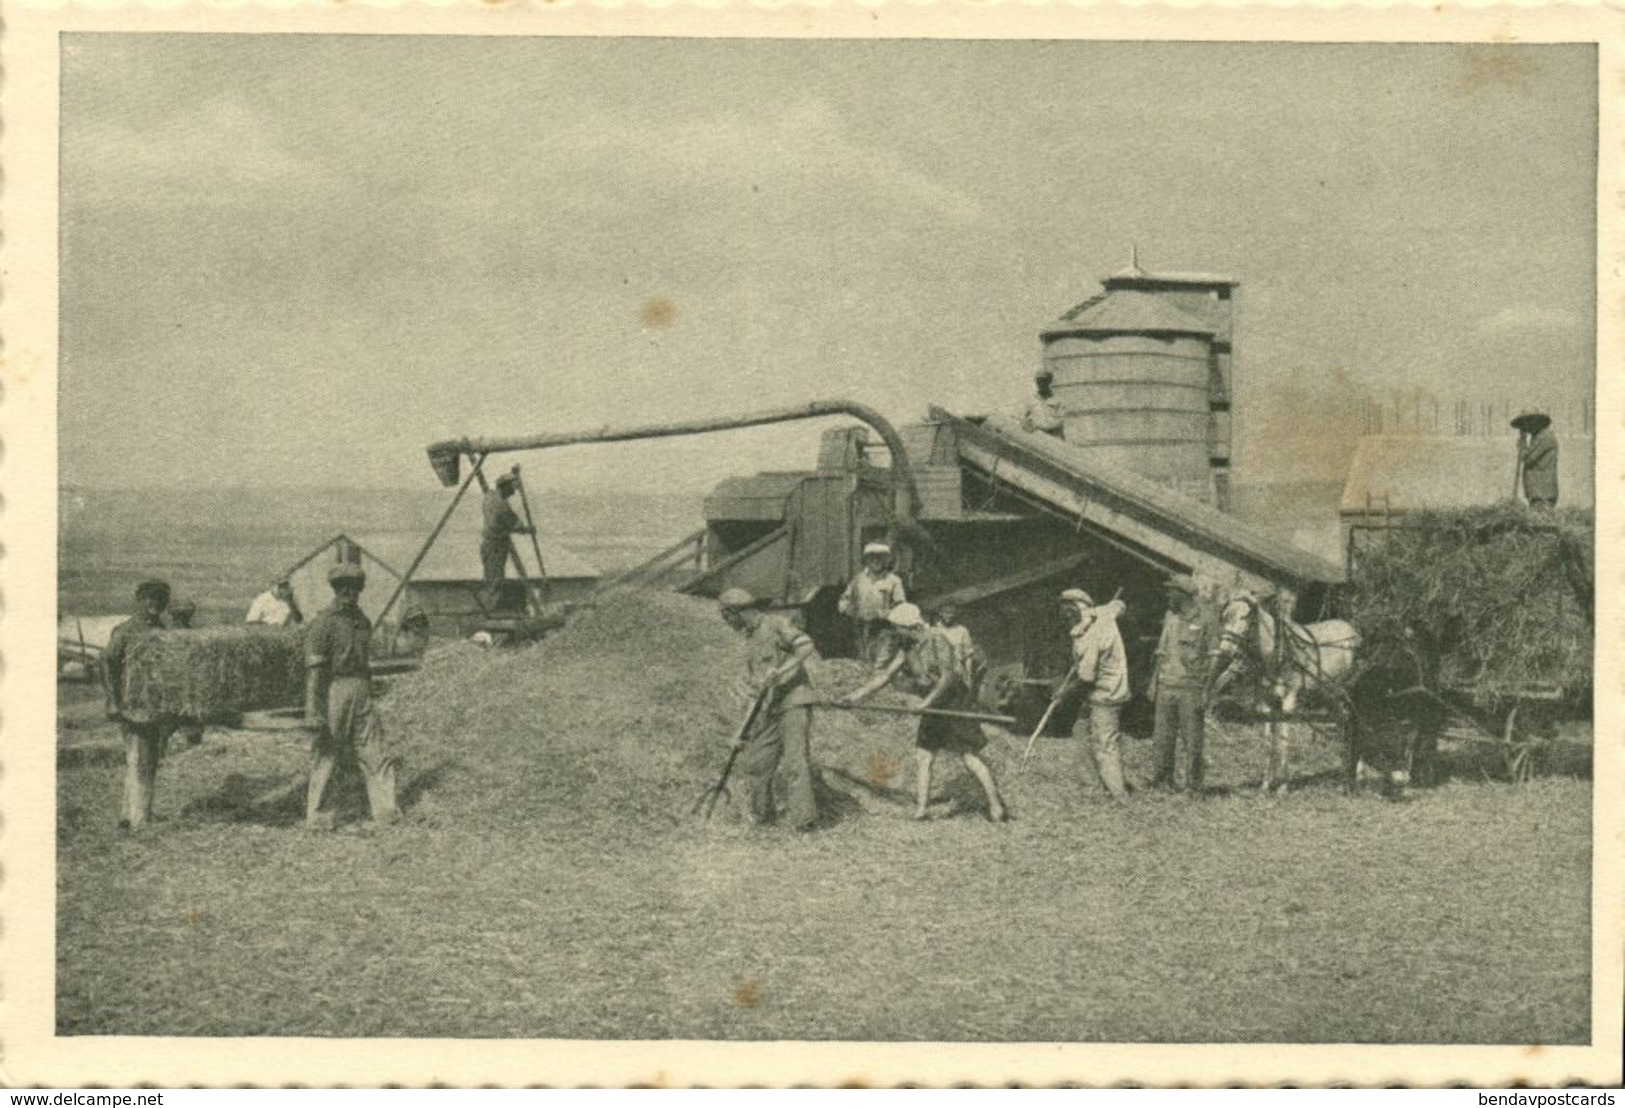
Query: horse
(1311, 661)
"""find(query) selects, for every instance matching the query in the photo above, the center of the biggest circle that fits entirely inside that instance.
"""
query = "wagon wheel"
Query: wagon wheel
(1000, 688)
(1525, 744)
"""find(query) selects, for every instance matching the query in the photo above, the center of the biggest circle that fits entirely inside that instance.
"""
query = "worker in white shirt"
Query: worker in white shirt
(1100, 665)
(1044, 413)
(275, 607)
(869, 597)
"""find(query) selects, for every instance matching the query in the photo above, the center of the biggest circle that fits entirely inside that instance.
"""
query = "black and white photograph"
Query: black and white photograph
(759, 540)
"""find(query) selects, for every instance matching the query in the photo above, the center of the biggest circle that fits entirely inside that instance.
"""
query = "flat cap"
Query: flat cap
(1078, 596)
(153, 587)
(735, 598)
(905, 615)
(346, 571)
(1182, 582)
(875, 548)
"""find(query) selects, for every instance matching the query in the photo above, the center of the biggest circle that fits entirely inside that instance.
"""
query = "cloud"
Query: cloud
(1522, 318)
(211, 152)
(802, 150)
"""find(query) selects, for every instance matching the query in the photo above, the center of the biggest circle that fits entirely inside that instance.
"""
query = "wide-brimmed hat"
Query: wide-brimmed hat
(905, 615)
(1078, 596)
(1531, 420)
(873, 548)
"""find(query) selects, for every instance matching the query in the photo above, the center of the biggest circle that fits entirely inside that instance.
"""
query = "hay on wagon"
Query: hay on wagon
(1493, 604)
(215, 673)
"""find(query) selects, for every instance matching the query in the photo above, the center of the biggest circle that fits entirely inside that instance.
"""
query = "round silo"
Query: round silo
(1131, 374)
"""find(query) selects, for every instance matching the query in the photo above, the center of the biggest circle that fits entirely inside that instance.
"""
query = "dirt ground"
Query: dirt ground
(550, 882)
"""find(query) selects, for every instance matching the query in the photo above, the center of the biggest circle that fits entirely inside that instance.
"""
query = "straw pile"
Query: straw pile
(1493, 603)
(626, 714)
(215, 673)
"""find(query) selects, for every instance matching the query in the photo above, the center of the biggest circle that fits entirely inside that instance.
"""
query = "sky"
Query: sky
(295, 260)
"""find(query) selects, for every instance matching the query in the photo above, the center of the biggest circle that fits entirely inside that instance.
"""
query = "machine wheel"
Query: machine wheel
(1526, 741)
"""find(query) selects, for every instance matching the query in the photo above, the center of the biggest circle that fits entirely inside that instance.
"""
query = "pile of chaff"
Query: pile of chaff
(1493, 604)
(215, 673)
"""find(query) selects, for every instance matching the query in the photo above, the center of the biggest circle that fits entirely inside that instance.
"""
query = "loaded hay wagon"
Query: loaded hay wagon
(1478, 626)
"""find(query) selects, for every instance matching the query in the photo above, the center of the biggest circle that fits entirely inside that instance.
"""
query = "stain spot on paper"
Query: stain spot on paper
(748, 993)
(879, 769)
(657, 312)
(1487, 66)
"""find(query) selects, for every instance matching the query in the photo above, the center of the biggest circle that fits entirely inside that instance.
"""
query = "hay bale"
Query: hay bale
(1493, 603)
(215, 673)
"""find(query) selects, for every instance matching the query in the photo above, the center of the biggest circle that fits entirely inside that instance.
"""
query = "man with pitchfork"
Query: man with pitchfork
(777, 653)
(929, 663)
(1099, 662)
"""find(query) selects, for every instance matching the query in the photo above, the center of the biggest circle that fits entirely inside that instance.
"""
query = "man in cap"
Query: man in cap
(873, 592)
(180, 618)
(1100, 663)
(777, 654)
(275, 607)
(1185, 652)
(929, 663)
(411, 638)
(944, 617)
(144, 732)
(1537, 455)
(1044, 413)
(338, 701)
(500, 521)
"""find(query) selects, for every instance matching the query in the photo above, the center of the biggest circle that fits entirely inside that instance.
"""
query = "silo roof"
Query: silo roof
(1128, 311)
(1135, 276)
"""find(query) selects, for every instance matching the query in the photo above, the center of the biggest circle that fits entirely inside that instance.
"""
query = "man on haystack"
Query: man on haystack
(338, 701)
(777, 654)
(1537, 455)
(500, 522)
(144, 734)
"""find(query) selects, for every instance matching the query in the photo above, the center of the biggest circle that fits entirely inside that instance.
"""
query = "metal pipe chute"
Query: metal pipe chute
(445, 456)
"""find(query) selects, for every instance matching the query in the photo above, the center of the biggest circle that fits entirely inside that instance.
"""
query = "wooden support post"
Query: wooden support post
(535, 543)
(423, 551)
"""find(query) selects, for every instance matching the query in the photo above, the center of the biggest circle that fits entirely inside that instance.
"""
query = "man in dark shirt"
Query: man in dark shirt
(1179, 687)
(501, 521)
(144, 732)
(338, 701)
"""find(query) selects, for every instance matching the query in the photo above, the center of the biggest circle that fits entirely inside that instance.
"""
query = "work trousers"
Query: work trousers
(875, 642)
(353, 728)
(494, 560)
(1178, 735)
(1103, 744)
(777, 749)
(143, 750)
